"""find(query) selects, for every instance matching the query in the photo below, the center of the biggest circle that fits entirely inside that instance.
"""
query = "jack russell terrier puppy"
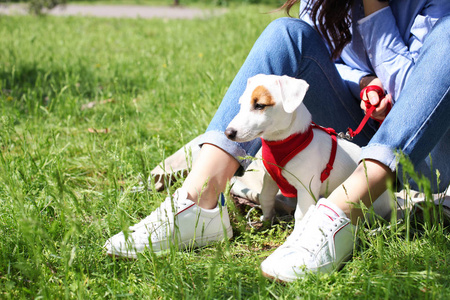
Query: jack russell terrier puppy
(301, 159)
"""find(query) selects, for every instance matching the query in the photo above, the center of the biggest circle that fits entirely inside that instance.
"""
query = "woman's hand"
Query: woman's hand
(382, 105)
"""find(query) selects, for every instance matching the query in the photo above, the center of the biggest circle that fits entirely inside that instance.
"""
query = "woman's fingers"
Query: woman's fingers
(381, 110)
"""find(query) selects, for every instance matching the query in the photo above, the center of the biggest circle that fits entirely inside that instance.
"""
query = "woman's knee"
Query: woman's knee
(290, 36)
(287, 27)
(442, 28)
(288, 23)
(437, 40)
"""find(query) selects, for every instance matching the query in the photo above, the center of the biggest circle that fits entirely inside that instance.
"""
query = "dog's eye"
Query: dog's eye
(259, 106)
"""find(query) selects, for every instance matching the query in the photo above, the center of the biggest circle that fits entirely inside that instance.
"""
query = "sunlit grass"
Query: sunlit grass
(88, 107)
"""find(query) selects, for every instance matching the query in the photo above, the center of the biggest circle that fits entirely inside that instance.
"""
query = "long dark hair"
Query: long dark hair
(332, 19)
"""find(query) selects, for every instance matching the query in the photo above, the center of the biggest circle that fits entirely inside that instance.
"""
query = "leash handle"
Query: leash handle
(371, 88)
(369, 110)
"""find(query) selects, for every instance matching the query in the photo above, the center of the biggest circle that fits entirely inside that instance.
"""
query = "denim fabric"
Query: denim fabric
(416, 124)
(290, 47)
(419, 122)
(386, 43)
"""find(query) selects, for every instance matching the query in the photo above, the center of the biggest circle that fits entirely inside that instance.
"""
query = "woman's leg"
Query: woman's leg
(418, 126)
(209, 176)
(286, 47)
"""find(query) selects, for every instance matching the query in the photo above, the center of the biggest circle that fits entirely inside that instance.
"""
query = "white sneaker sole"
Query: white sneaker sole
(280, 278)
(198, 243)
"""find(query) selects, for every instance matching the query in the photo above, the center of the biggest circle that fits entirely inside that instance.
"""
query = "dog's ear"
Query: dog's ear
(292, 92)
(242, 98)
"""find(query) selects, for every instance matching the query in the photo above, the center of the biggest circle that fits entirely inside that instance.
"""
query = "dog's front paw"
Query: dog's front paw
(267, 218)
(267, 222)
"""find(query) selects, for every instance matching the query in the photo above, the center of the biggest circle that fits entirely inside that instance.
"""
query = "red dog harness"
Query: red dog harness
(276, 154)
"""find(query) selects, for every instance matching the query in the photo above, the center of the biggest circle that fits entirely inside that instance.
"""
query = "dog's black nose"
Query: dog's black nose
(231, 133)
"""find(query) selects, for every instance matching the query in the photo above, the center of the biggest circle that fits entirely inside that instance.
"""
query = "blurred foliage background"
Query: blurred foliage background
(38, 7)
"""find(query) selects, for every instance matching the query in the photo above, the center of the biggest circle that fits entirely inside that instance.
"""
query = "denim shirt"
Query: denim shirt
(386, 43)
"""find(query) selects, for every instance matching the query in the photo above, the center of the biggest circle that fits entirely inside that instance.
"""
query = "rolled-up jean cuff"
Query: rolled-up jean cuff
(218, 139)
(381, 153)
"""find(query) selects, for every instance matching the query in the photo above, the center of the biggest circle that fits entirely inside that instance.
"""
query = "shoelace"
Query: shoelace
(319, 231)
(164, 213)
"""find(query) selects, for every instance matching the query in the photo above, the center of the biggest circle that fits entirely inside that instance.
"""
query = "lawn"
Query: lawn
(88, 107)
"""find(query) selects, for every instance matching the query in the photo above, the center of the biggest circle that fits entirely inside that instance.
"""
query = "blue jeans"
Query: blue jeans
(417, 125)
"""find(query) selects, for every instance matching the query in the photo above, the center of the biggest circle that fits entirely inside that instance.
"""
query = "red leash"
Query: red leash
(350, 134)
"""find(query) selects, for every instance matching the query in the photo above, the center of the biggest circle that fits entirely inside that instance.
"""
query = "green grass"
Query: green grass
(181, 2)
(65, 184)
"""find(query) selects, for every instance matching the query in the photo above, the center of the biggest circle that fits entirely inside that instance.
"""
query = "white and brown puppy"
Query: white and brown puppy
(272, 108)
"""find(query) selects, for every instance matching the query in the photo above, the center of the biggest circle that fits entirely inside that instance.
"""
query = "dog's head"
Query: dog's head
(269, 106)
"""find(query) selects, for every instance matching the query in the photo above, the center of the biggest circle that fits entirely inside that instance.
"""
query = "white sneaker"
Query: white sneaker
(178, 222)
(317, 244)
